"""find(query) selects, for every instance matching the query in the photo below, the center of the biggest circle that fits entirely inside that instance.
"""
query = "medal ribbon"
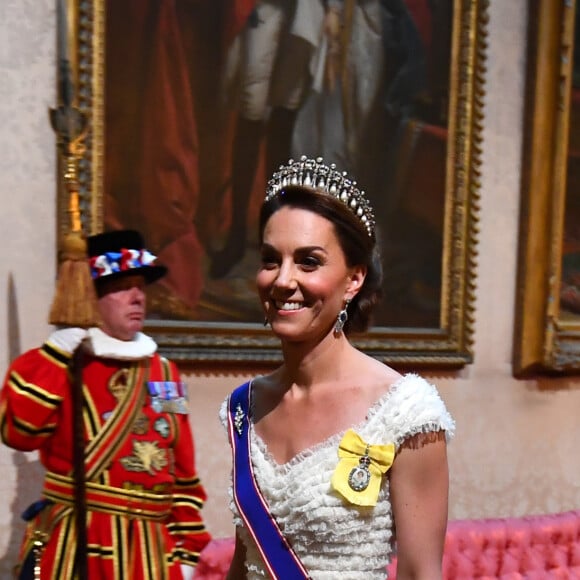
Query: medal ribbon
(167, 391)
(377, 459)
(279, 557)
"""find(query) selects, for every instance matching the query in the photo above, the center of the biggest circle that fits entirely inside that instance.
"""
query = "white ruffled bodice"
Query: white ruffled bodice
(335, 539)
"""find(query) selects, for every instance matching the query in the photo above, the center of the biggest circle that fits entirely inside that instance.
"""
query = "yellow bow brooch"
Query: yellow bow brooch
(358, 475)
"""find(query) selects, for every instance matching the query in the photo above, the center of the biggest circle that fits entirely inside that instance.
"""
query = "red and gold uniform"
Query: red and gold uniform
(143, 494)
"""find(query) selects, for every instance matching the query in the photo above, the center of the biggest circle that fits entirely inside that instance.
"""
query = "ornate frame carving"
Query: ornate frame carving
(544, 340)
(237, 344)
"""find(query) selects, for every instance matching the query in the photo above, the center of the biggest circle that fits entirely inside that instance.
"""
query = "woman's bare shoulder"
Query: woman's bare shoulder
(376, 374)
(266, 382)
(267, 391)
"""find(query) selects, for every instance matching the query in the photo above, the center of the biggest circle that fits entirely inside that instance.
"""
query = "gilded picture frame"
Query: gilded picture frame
(547, 330)
(446, 341)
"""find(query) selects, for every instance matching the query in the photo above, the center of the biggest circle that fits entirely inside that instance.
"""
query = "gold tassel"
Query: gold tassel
(75, 299)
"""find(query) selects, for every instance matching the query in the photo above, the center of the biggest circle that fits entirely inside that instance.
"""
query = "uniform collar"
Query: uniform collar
(105, 346)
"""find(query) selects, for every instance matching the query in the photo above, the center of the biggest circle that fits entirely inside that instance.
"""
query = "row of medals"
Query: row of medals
(167, 396)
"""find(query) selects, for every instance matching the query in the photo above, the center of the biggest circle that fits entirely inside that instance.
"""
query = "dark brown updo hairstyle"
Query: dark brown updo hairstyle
(359, 248)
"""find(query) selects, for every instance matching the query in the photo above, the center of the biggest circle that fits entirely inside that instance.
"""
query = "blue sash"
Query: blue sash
(279, 558)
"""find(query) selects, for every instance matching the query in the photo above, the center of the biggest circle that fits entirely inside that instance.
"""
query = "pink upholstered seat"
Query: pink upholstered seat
(531, 548)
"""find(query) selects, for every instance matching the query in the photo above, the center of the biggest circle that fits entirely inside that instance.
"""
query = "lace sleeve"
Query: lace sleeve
(416, 414)
(223, 413)
(419, 440)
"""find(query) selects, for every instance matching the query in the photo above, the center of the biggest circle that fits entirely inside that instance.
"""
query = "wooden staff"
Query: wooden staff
(75, 300)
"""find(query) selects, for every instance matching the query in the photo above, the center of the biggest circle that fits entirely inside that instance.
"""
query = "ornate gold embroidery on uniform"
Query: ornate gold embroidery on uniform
(157, 488)
(141, 424)
(118, 383)
(147, 457)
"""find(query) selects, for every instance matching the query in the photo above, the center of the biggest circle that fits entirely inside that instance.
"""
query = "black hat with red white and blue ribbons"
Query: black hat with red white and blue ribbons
(121, 253)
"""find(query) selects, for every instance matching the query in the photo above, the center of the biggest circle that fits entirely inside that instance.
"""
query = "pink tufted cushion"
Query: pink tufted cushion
(532, 548)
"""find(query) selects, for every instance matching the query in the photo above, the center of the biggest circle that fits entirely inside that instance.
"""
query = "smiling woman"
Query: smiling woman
(329, 247)
(304, 272)
(318, 282)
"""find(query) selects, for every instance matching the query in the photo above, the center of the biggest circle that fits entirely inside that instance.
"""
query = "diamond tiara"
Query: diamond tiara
(315, 174)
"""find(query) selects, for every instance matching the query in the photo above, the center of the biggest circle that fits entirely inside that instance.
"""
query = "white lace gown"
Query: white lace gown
(333, 538)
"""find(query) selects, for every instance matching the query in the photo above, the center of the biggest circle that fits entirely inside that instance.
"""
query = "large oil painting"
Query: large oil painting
(193, 104)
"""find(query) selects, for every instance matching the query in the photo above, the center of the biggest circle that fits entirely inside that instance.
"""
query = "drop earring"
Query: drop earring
(341, 318)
